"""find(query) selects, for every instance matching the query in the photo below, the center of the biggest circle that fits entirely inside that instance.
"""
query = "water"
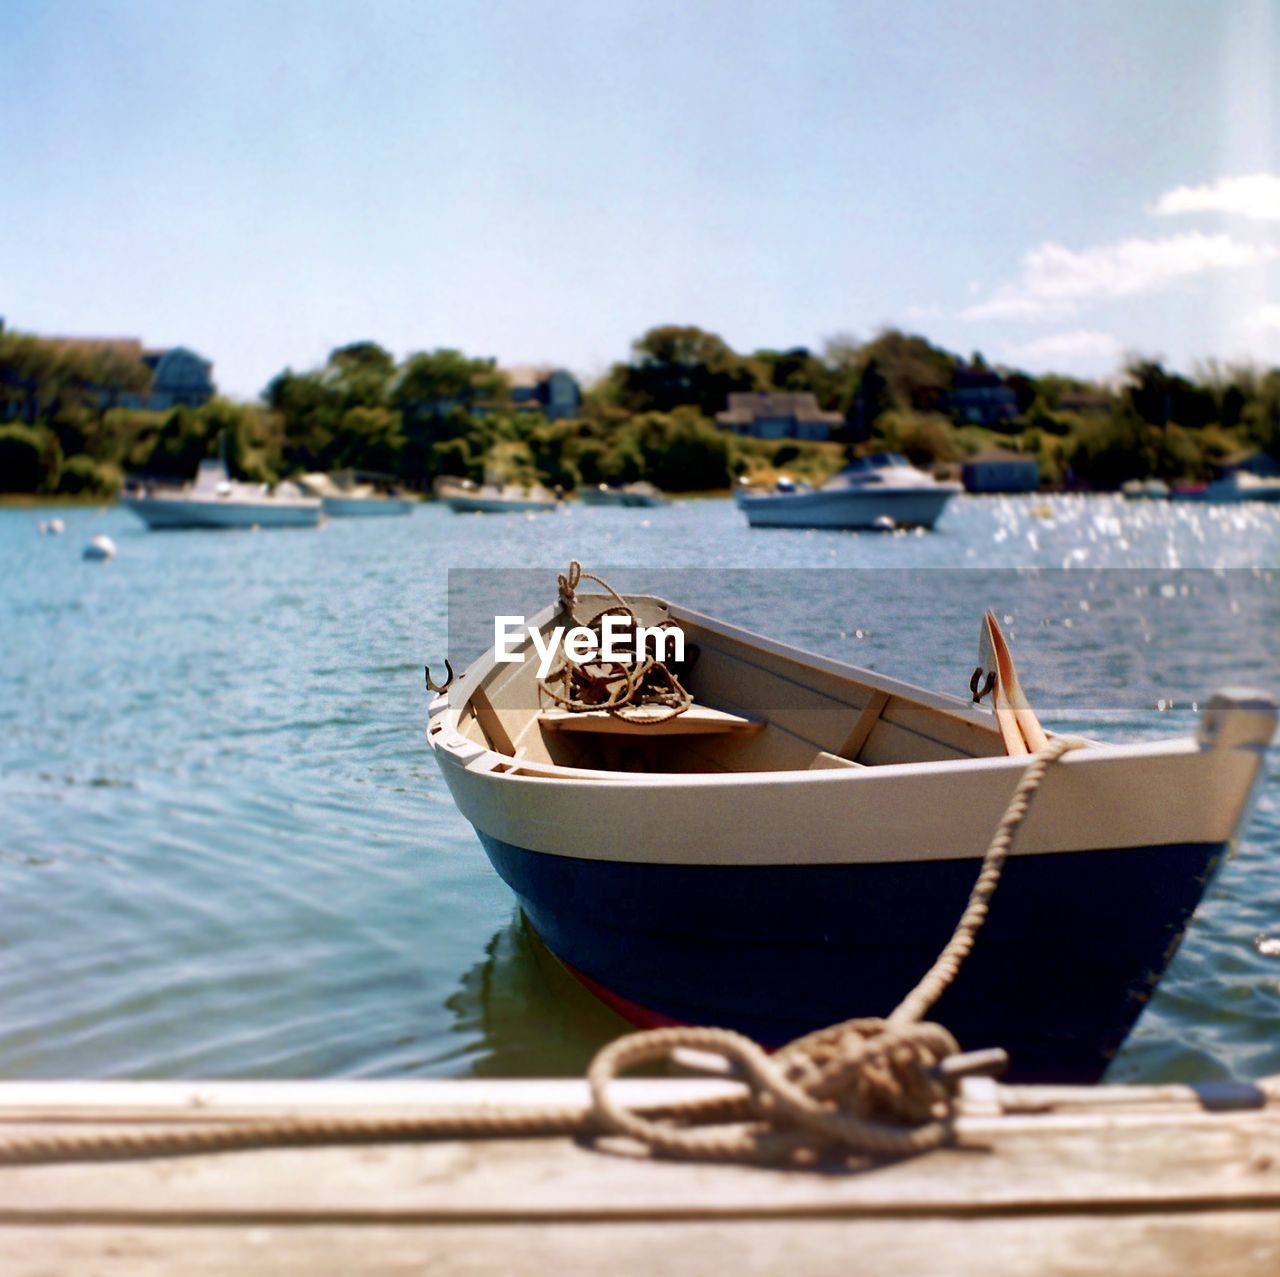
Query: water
(226, 852)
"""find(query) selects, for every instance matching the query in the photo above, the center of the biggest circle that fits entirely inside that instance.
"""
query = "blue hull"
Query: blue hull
(1073, 948)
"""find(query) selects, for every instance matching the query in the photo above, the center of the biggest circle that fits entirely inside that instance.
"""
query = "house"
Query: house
(980, 397)
(179, 378)
(1000, 470)
(790, 415)
(553, 391)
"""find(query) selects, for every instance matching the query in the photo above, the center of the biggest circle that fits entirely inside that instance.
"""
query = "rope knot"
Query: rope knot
(862, 1088)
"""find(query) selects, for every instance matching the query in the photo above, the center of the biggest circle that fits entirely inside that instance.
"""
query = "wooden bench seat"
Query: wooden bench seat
(697, 720)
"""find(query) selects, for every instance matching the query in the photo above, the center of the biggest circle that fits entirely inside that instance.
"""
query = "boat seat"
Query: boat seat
(825, 762)
(697, 720)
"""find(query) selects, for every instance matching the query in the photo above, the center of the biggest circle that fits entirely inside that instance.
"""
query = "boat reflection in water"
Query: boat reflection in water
(524, 1015)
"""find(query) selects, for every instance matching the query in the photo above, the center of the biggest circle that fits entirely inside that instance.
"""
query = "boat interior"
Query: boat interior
(754, 709)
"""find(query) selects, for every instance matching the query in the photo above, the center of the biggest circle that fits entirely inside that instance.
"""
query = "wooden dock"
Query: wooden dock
(1154, 1180)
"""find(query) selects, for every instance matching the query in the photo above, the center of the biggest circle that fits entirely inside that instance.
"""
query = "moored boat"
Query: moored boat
(1145, 490)
(344, 496)
(640, 495)
(215, 500)
(879, 491)
(1231, 489)
(794, 848)
(498, 499)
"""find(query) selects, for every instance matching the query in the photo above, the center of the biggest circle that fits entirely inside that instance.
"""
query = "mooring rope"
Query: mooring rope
(637, 683)
(868, 1087)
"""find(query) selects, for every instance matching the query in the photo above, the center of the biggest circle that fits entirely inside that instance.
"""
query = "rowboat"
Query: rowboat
(880, 491)
(794, 847)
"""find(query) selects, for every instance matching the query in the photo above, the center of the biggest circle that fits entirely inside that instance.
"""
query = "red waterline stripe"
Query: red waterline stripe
(640, 1016)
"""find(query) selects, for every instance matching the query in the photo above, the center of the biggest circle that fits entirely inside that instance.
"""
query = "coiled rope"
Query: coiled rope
(636, 683)
(867, 1087)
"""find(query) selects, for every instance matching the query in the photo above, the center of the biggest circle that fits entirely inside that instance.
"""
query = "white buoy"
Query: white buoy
(57, 527)
(883, 524)
(100, 547)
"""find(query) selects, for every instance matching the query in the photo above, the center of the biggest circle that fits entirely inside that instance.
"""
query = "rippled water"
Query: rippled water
(226, 851)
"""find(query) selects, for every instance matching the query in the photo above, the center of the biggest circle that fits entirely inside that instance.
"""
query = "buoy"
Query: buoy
(57, 527)
(100, 547)
(883, 523)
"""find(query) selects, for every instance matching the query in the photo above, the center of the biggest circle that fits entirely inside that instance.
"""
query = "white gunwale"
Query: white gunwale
(943, 803)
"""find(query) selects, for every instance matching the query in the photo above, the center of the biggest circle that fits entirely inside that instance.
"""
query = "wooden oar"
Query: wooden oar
(1019, 727)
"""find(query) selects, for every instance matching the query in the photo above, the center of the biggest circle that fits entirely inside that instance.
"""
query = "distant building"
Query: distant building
(790, 415)
(1000, 470)
(179, 378)
(980, 397)
(553, 391)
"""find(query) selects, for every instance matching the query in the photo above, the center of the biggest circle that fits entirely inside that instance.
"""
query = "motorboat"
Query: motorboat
(215, 500)
(794, 846)
(641, 495)
(492, 498)
(343, 496)
(1231, 489)
(879, 491)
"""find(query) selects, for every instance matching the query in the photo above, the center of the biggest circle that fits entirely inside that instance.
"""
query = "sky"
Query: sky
(1059, 185)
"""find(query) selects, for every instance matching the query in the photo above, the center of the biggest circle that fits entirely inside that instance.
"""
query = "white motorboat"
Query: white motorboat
(883, 490)
(494, 499)
(215, 500)
(641, 495)
(1232, 489)
(343, 497)
(792, 847)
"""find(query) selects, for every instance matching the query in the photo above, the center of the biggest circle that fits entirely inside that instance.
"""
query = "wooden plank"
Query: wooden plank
(1216, 1244)
(697, 720)
(1135, 1163)
(870, 715)
(490, 723)
(826, 762)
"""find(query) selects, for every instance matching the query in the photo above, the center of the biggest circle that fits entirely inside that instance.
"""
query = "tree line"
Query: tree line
(444, 413)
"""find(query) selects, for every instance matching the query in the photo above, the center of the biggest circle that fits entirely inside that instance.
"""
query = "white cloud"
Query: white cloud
(1256, 196)
(1055, 281)
(1082, 346)
(1266, 316)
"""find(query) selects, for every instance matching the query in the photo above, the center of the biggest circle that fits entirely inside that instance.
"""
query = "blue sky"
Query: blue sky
(1055, 184)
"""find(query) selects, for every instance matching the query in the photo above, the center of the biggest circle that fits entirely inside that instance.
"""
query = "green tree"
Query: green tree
(1111, 450)
(30, 459)
(360, 375)
(1261, 416)
(434, 384)
(674, 366)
